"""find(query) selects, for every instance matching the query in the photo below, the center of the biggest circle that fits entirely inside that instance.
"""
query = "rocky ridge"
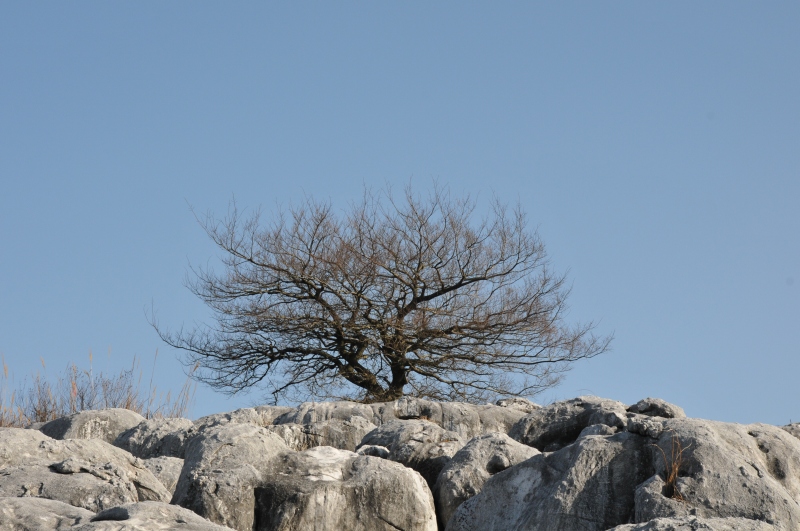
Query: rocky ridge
(581, 464)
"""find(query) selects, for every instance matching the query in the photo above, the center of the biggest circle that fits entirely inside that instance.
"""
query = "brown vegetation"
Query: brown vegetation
(395, 296)
(41, 400)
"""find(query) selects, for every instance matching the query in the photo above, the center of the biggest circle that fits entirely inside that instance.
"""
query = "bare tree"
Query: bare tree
(395, 296)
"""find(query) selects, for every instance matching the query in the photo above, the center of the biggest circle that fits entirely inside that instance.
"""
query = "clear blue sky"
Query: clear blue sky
(655, 145)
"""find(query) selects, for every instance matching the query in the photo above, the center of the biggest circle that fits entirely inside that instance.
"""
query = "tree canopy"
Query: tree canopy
(396, 295)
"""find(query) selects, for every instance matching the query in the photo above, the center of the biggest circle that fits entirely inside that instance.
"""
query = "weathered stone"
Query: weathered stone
(693, 523)
(341, 434)
(148, 516)
(418, 444)
(313, 412)
(726, 470)
(88, 473)
(166, 469)
(157, 438)
(655, 407)
(103, 424)
(522, 404)
(374, 450)
(715, 470)
(328, 489)
(557, 425)
(35, 514)
(223, 465)
(588, 485)
(247, 415)
(465, 474)
(793, 429)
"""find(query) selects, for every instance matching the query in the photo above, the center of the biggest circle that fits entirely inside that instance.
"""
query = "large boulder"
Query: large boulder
(223, 466)
(418, 444)
(588, 485)
(675, 468)
(87, 473)
(557, 425)
(148, 516)
(464, 475)
(157, 438)
(35, 514)
(468, 420)
(309, 413)
(103, 424)
(328, 489)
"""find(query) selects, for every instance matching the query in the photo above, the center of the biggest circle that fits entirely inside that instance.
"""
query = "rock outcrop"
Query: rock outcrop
(586, 463)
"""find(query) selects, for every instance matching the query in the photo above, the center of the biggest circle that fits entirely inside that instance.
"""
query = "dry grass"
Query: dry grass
(40, 400)
(672, 466)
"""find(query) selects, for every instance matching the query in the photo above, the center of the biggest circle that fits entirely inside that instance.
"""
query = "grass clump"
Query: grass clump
(41, 400)
(672, 466)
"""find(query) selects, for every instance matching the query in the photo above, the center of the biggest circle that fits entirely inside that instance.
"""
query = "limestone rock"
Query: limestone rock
(655, 407)
(148, 516)
(157, 438)
(694, 523)
(88, 473)
(223, 465)
(22, 514)
(328, 489)
(103, 424)
(247, 415)
(557, 425)
(418, 444)
(727, 470)
(522, 404)
(793, 428)
(341, 434)
(313, 412)
(588, 485)
(464, 475)
(166, 469)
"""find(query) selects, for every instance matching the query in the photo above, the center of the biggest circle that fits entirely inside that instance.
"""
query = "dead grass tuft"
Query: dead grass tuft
(41, 400)
(672, 466)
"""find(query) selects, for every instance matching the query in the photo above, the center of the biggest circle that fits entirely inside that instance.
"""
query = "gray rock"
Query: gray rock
(597, 429)
(88, 473)
(793, 429)
(727, 470)
(223, 466)
(522, 404)
(468, 420)
(588, 485)
(465, 474)
(693, 523)
(374, 450)
(314, 412)
(655, 407)
(103, 424)
(166, 469)
(148, 516)
(341, 434)
(703, 469)
(329, 489)
(418, 444)
(247, 415)
(268, 414)
(22, 514)
(157, 438)
(557, 425)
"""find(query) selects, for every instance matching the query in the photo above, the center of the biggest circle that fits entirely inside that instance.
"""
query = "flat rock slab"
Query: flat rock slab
(692, 523)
